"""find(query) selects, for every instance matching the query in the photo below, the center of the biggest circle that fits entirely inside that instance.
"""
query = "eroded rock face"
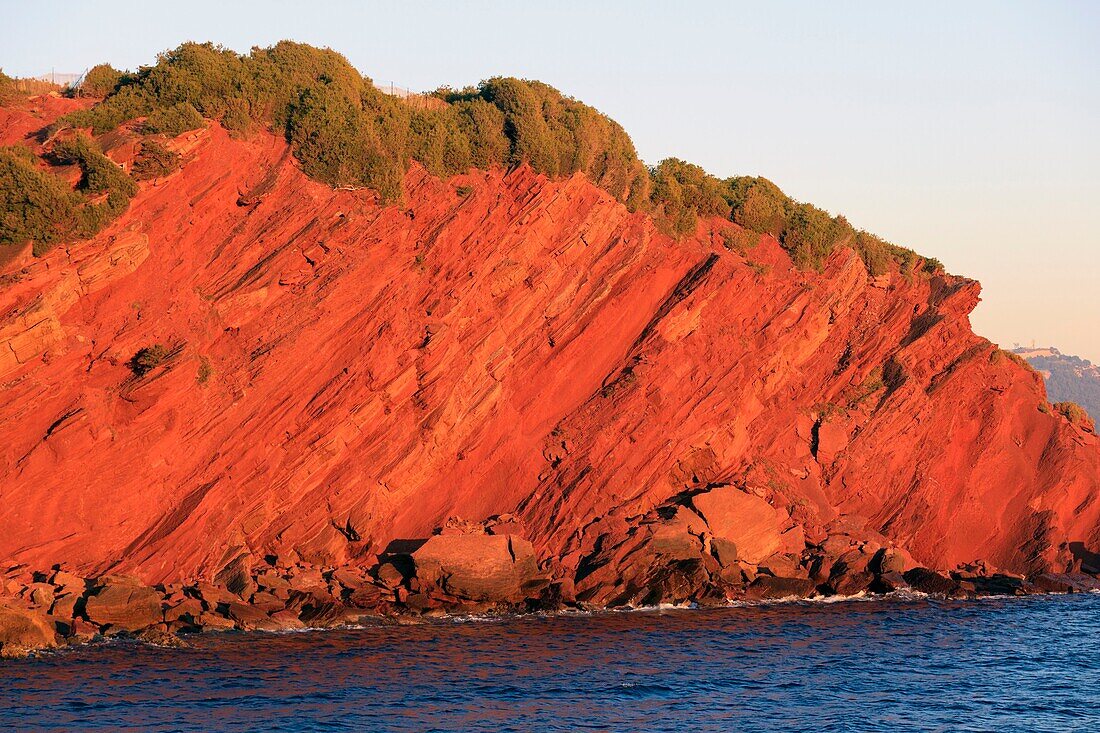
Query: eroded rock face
(343, 375)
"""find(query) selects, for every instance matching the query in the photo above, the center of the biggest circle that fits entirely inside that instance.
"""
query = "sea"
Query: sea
(899, 664)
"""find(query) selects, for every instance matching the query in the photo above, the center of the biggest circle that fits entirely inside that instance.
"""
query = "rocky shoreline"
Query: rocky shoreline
(479, 568)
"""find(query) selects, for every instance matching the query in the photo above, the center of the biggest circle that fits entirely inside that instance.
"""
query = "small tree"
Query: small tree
(155, 160)
(100, 81)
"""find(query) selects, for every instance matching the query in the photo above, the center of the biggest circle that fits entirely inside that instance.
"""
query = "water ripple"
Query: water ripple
(905, 665)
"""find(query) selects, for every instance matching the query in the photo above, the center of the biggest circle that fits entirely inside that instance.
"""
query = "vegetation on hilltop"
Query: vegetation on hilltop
(345, 132)
(100, 81)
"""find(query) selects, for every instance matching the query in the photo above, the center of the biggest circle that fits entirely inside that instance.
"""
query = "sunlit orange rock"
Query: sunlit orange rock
(337, 375)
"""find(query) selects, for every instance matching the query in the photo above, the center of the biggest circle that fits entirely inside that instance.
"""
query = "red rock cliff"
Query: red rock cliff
(340, 375)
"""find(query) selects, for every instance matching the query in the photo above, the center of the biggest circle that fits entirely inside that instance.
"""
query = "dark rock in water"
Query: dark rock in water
(771, 587)
(123, 606)
(678, 582)
(162, 638)
(478, 566)
(23, 630)
(1053, 583)
(1065, 583)
(889, 583)
(1000, 585)
(931, 582)
(250, 617)
(849, 584)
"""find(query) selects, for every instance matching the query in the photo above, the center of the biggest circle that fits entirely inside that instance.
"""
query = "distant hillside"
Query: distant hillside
(1068, 378)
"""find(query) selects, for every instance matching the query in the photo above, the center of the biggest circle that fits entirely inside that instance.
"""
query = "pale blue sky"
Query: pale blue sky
(968, 131)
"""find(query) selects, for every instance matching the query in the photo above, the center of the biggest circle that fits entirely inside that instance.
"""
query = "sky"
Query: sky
(967, 131)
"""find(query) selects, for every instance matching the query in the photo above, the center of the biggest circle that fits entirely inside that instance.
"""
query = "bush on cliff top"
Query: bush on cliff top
(100, 81)
(345, 132)
(1075, 414)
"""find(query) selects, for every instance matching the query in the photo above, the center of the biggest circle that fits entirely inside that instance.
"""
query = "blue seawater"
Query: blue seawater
(1026, 664)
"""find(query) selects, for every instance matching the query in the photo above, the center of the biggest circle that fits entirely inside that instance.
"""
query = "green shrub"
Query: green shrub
(1075, 414)
(147, 359)
(8, 91)
(741, 241)
(205, 371)
(34, 205)
(100, 81)
(174, 120)
(682, 192)
(38, 206)
(154, 160)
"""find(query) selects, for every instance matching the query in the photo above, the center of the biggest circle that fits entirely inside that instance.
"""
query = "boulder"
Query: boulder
(186, 612)
(771, 587)
(1065, 582)
(250, 617)
(724, 551)
(793, 541)
(64, 606)
(23, 630)
(891, 560)
(931, 582)
(215, 622)
(68, 583)
(888, 583)
(783, 566)
(41, 595)
(211, 595)
(389, 575)
(267, 602)
(124, 607)
(672, 542)
(287, 619)
(478, 567)
(745, 519)
(365, 597)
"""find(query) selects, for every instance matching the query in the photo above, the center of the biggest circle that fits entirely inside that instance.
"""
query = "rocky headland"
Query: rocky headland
(257, 401)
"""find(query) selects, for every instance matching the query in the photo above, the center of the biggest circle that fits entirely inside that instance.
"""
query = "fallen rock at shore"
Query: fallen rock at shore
(23, 630)
(742, 518)
(931, 582)
(123, 605)
(478, 567)
(770, 587)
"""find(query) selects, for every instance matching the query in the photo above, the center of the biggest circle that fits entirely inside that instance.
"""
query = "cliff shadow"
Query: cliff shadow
(1090, 561)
